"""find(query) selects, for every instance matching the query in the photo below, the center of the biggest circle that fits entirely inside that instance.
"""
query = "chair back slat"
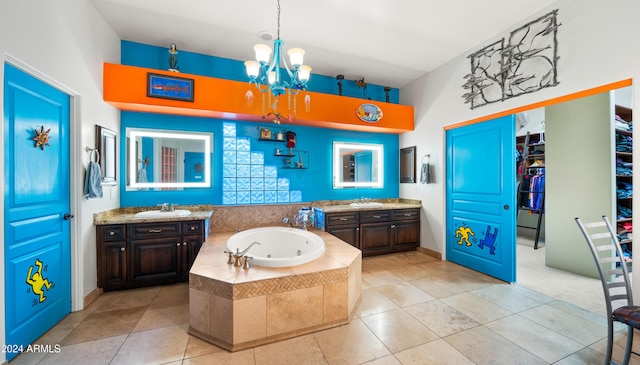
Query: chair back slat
(609, 260)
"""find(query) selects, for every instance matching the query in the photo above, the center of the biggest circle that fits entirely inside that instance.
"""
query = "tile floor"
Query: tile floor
(414, 310)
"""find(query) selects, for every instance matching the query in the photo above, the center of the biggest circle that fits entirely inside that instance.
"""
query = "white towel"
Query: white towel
(93, 181)
(142, 175)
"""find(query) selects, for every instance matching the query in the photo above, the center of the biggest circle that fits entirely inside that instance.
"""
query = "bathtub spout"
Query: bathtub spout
(243, 252)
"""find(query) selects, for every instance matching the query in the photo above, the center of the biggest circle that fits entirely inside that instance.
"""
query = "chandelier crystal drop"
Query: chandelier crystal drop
(266, 72)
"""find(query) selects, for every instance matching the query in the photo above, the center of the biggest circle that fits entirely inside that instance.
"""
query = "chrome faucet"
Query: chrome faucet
(286, 220)
(166, 207)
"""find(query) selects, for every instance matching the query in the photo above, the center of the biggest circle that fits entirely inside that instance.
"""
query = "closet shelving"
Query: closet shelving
(624, 174)
(531, 173)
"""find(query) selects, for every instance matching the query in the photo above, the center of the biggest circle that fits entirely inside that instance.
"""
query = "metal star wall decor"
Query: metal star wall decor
(524, 62)
(42, 137)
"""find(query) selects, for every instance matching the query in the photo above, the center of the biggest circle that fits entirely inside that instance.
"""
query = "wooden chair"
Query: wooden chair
(614, 275)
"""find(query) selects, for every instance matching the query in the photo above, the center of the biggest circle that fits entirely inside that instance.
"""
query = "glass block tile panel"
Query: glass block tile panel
(243, 144)
(257, 171)
(229, 197)
(319, 219)
(257, 158)
(229, 144)
(229, 129)
(257, 183)
(229, 157)
(244, 197)
(243, 170)
(243, 183)
(270, 183)
(295, 196)
(283, 184)
(229, 184)
(257, 197)
(283, 196)
(270, 171)
(270, 196)
(229, 170)
(244, 157)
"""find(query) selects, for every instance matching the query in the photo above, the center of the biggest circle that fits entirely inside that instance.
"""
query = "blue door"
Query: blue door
(37, 239)
(481, 194)
(193, 167)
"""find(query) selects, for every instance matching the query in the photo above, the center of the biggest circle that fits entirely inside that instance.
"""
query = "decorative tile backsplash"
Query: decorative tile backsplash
(246, 178)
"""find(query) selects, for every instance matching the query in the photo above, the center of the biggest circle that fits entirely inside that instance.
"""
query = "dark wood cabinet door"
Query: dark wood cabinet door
(156, 261)
(375, 238)
(406, 236)
(349, 234)
(113, 264)
(190, 249)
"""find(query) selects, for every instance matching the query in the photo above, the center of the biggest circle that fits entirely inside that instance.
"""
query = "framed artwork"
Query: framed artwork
(169, 87)
(106, 145)
(408, 165)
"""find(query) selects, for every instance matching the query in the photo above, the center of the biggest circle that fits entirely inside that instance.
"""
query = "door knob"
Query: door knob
(506, 207)
(67, 216)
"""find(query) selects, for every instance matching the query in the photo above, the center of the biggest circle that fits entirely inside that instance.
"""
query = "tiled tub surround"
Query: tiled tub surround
(236, 308)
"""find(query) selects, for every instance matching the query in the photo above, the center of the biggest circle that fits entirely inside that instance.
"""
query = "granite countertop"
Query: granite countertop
(330, 206)
(127, 215)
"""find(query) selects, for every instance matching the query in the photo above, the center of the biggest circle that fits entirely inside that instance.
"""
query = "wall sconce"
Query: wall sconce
(340, 78)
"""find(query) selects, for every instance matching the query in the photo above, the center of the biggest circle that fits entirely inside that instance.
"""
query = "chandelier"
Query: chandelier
(266, 72)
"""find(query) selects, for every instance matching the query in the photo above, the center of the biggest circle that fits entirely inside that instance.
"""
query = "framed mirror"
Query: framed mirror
(408, 165)
(357, 165)
(167, 160)
(106, 145)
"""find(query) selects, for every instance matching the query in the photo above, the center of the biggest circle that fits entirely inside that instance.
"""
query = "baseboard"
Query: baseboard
(429, 252)
(91, 297)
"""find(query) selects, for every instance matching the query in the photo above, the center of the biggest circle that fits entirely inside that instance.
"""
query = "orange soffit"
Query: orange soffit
(156, 91)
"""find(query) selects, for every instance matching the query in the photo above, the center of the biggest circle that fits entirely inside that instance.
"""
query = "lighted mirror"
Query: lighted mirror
(357, 165)
(168, 159)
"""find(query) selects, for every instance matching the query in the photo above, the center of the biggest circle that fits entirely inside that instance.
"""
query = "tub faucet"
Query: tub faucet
(243, 252)
(286, 220)
(235, 258)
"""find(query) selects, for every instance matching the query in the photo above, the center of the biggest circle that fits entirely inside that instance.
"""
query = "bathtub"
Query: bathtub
(279, 246)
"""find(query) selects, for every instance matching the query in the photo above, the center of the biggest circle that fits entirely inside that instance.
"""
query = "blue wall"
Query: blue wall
(315, 182)
(143, 55)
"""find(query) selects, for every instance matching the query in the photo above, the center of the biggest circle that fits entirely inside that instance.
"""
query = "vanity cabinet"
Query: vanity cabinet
(377, 232)
(142, 254)
(406, 229)
(345, 226)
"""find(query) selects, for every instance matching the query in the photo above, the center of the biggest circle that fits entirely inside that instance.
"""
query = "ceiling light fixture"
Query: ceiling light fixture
(266, 71)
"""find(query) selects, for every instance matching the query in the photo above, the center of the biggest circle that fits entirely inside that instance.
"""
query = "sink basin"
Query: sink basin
(366, 204)
(161, 214)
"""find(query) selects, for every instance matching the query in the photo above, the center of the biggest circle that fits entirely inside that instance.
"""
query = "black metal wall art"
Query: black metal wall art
(524, 62)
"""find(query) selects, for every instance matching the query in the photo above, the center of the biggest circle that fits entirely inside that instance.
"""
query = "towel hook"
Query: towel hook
(94, 154)
(428, 156)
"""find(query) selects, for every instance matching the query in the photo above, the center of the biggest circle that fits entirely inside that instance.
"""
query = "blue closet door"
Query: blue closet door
(481, 194)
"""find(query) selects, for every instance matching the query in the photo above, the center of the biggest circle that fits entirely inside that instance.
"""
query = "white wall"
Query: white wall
(67, 41)
(597, 44)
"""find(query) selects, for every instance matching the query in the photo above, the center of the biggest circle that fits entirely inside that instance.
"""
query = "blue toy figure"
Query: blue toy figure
(173, 58)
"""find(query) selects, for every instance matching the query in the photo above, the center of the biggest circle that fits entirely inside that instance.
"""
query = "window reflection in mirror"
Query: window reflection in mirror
(357, 165)
(168, 159)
